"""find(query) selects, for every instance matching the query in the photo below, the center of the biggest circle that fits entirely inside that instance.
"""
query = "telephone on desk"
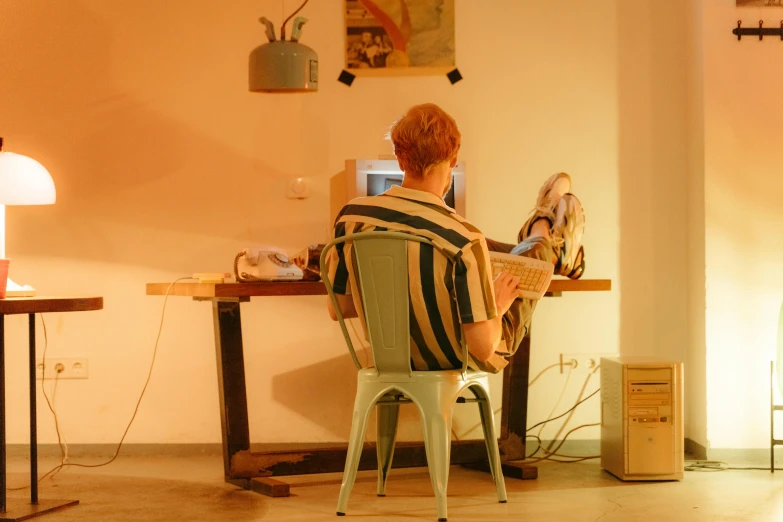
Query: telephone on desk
(265, 263)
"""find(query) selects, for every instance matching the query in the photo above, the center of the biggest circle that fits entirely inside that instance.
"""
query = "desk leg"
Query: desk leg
(231, 381)
(233, 402)
(513, 422)
(514, 417)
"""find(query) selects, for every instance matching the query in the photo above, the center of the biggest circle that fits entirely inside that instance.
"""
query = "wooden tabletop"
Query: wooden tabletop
(193, 289)
(43, 304)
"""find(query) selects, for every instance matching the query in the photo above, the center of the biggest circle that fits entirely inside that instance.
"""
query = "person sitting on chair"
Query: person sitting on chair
(450, 299)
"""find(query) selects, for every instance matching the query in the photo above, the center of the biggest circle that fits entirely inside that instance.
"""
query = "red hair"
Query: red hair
(424, 137)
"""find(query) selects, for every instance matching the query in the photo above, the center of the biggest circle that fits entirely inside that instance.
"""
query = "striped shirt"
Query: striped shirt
(443, 293)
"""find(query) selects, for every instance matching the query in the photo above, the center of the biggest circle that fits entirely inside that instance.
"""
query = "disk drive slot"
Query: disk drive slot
(650, 396)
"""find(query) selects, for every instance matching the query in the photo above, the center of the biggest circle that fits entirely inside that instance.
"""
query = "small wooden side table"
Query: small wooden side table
(12, 509)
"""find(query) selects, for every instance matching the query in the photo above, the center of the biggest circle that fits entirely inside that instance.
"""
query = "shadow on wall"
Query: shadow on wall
(134, 184)
(321, 392)
(324, 392)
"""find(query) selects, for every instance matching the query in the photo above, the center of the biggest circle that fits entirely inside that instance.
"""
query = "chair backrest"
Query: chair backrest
(381, 262)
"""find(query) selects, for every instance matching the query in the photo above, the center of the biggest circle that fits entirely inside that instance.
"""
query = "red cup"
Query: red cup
(3, 276)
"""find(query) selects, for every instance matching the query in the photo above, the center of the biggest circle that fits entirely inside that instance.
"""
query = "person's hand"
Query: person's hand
(505, 291)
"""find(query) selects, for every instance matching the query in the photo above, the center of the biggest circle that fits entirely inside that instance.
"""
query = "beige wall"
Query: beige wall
(695, 361)
(165, 165)
(743, 220)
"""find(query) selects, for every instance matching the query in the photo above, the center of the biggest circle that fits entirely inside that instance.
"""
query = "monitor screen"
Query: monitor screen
(380, 183)
(371, 177)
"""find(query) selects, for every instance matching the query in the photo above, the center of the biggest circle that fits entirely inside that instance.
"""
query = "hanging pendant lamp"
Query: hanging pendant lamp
(283, 65)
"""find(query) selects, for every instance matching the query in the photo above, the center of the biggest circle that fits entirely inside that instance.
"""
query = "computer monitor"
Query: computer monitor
(364, 177)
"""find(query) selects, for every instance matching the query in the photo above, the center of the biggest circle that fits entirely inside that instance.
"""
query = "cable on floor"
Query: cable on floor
(553, 453)
(705, 465)
(718, 465)
(60, 438)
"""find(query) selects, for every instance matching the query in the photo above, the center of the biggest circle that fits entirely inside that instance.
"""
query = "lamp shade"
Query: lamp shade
(283, 66)
(24, 181)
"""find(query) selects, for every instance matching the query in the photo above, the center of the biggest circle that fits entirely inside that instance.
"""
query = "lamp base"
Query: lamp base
(14, 290)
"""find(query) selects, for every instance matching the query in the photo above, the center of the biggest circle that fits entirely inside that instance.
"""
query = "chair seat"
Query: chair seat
(452, 376)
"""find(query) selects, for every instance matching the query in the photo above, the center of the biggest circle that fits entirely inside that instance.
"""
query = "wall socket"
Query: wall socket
(62, 368)
(582, 362)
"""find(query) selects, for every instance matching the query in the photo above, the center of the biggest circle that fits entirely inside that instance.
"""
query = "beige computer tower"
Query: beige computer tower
(642, 418)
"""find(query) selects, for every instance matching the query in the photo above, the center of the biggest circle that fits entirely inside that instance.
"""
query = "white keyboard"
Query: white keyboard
(534, 274)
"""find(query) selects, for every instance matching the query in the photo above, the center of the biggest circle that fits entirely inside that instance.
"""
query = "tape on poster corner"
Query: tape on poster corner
(346, 78)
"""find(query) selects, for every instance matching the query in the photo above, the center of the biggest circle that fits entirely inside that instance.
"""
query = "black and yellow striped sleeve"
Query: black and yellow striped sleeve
(473, 283)
(337, 269)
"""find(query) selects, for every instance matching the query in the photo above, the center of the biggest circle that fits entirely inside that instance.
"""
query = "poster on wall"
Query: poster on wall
(399, 37)
(759, 3)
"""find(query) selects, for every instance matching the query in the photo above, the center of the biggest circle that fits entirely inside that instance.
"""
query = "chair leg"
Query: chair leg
(361, 413)
(387, 433)
(438, 415)
(493, 453)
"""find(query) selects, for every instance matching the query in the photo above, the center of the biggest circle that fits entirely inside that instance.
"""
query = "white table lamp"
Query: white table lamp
(23, 181)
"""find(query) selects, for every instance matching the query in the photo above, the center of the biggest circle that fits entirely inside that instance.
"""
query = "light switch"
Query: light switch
(298, 188)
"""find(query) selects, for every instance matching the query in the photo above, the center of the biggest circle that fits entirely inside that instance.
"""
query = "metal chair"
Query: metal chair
(381, 262)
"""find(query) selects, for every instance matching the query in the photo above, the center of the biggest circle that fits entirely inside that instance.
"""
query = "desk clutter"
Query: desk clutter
(309, 260)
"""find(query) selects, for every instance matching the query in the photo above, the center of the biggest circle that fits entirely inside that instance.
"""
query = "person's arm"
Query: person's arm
(337, 272)
(483, 337)
(481, 302)
(346, 307)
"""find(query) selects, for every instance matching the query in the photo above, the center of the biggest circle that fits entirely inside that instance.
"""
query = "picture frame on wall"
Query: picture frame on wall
(759, 3)
(399, 37)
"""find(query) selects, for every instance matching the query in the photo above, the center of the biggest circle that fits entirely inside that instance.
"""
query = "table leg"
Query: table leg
(33, 417)
(2, 414)
(233, 400)
(15, 509)
(231, 380)
(514, 416)
(513, 423)
(233, 403)
(513, 420)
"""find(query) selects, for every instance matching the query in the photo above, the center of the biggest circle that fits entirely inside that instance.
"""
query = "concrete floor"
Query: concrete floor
(191, 489)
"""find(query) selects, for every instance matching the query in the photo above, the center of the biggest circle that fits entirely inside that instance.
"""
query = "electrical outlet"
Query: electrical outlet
(62, 368)
(582, 362)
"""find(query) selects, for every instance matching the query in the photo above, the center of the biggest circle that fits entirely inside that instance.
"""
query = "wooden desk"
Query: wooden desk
(20, 509)
(251, 470)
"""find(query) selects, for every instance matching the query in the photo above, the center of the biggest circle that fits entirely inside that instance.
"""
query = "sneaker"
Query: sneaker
(548, 197)
(567, 230)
